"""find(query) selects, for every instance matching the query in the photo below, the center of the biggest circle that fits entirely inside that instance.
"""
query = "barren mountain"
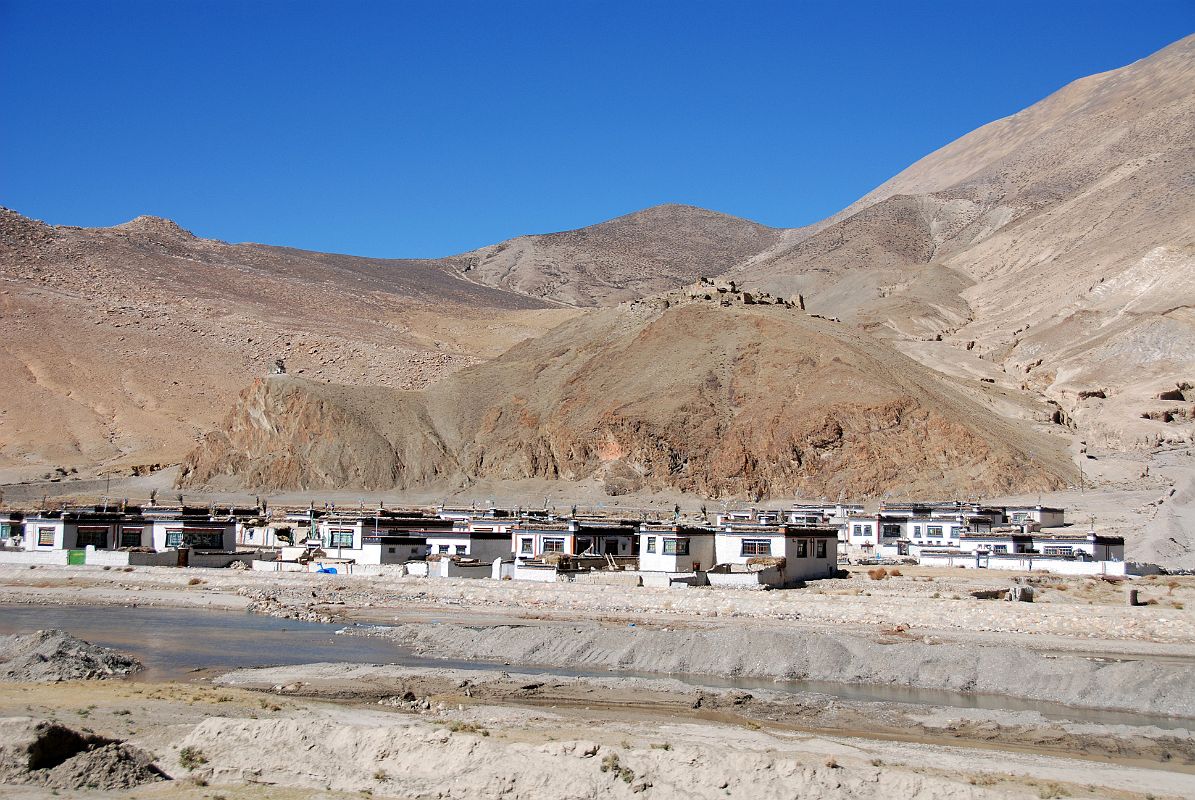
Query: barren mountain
(1045, 258)
(716, 396)
(650, 251)
(1057, 244)
(123, 345)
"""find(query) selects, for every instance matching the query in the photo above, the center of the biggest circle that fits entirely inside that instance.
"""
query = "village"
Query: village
(733, 548)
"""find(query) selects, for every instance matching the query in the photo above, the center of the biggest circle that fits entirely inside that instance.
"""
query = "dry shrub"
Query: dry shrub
(767, 561)
(195, 581)
(559, 559)
(894, 573)
(877, 574)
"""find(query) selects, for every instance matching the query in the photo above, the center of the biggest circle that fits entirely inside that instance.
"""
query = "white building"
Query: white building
(740, 553)
(172, 528)
(152, 528)
(675, 548)
(381, 538)
(1039, 515)
(484, 539)
(534, 540)
(1014, 548)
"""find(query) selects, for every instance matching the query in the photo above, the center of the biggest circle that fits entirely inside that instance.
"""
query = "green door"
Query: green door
(76, 557)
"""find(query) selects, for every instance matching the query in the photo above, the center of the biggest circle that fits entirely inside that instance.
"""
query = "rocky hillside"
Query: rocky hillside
(721, 397)
(1056, 244)
(650, 251)
(123, 345)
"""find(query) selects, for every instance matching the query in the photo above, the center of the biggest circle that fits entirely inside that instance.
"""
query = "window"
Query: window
(174, 537)
(94, 535)
(916, 531)
(934, 530)
(821, 548)
(526, 546)
(802, 548)
(553, 545)
(651, 544)
(676, 547)
(204, 539)
(340, 538)
(1057, 551)
(443, 548)
(390, 549)
(1000, 548)
(584, 545)
(891, 531)
(956, 532)
(858, 530)
(130, 537)
(757, 547)
(460, 549)
(45, 537)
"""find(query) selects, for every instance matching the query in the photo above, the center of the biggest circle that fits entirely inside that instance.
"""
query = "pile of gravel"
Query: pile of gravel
(55, 655)
(42, 753)
(112, 766)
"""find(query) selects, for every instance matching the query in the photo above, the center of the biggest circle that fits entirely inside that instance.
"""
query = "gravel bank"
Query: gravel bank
(758, 652)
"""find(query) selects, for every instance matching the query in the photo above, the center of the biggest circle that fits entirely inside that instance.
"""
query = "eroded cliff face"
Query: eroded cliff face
(668, 394)
(284, 433)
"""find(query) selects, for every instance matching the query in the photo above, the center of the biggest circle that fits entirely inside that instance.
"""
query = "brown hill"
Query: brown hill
(1056, 244)
(123, 345)
(649, 251)
(742, 400)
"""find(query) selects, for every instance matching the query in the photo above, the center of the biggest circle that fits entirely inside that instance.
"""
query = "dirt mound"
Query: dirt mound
(52, 755)
(411, 758)
(54, 655)
(112, 766)
(1143, 686)
(672, 393)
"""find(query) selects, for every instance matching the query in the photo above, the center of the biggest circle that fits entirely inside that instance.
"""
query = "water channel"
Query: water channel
(184, 644)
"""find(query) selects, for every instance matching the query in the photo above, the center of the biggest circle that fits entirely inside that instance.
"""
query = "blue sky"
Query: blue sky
(423, 129)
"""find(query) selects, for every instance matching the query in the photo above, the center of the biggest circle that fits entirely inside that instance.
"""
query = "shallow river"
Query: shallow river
(176, 644)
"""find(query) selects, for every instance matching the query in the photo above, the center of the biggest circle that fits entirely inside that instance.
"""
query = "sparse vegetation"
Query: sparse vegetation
(611, 763)
(457, 726)
(190, 758)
